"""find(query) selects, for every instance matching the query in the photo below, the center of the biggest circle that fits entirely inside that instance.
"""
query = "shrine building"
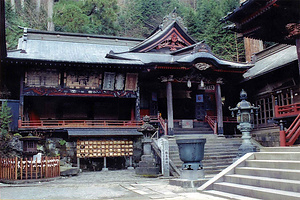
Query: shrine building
(95, 89)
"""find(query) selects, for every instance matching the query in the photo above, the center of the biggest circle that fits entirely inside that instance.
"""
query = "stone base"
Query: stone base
(147, 171)
(69, 171)
(192, 174)
(147, 167)
(185, 183)
(130, 168)
(104, 169)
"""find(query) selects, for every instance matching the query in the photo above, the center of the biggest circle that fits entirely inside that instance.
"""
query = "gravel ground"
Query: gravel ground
(119, 184)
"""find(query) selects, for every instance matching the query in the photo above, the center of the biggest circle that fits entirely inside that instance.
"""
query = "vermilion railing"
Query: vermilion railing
(213, 122)
(289, 137)
(287, 110)
(163, 124)
(20, 169)
(79, 124)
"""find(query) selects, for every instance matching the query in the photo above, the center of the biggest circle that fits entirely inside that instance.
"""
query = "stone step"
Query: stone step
(269, 172)
(279, 164)
(228, 195)
(277, 156)
(214, 172)
(256, 192)
(217, 162)
(216, 167)
(280, 149)
(209, 154)
(219, 151)
(273, 183)
(218, 157)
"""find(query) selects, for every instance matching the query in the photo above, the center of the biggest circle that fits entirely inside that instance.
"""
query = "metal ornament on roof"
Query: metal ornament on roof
(168, 19)
(202, 66)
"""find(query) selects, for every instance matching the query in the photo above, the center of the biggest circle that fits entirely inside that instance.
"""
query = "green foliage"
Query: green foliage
(207, 26)
(17, 135)
(89, 16)
(5, 120)
(22, 17)
(139, 18)
(133, 18)
(62, 142)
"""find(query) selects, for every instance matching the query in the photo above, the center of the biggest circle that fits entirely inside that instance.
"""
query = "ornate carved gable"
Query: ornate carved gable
(173, 41)
(171, 35)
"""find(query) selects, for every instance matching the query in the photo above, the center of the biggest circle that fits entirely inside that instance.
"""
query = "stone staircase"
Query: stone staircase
(273, 173)
(219, 152)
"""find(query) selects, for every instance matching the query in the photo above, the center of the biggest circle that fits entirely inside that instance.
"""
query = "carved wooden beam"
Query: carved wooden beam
(294, 30)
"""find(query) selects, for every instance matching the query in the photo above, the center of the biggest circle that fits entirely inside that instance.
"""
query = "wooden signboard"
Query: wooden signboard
(131, 81)
(104, 148)
(109, 81)
(120, 78)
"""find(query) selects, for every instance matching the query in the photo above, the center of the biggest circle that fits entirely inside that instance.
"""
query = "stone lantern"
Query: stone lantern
(147, 165)
(30, 145)
(245, 117)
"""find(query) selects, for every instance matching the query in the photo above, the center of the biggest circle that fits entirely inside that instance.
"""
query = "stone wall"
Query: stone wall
(267, 137)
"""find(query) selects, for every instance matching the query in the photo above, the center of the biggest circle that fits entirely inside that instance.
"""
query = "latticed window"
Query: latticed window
(266, 111)
(284, 98)
(267, 105)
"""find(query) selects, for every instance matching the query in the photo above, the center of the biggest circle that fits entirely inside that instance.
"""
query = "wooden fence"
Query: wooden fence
(22, 169)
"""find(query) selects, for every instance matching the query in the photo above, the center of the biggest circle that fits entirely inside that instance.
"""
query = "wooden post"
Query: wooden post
(36, 168)
(8, 161)
(21, 168)
(170, 108)
(58, 166)
(31, 165)
(46, 167)
(26, 168)
(42, 171)
(219, 108)
(16, 168)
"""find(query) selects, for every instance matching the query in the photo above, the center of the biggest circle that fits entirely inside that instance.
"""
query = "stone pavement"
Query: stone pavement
(109, 185)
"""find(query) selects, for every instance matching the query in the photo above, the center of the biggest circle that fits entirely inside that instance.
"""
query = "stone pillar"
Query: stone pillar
(165, 156)
(78, 162)
(130, 163)
(219, 108)
(170, 108)
(104, 165)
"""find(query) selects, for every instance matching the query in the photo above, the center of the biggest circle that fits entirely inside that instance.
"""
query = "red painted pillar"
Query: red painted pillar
(282, 134)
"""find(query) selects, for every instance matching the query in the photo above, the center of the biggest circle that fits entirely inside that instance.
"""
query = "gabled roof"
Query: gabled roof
(265, 19)
(71, 47)
(170, 45)
(172, 37)
(271, 59)
(188, 56)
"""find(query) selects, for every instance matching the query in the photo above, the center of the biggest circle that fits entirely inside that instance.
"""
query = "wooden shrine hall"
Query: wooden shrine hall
(92, 86)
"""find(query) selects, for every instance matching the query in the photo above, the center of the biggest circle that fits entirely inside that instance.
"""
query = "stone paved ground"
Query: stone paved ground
(120, 184)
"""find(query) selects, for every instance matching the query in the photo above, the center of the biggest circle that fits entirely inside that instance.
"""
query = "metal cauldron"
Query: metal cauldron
(191, 152)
